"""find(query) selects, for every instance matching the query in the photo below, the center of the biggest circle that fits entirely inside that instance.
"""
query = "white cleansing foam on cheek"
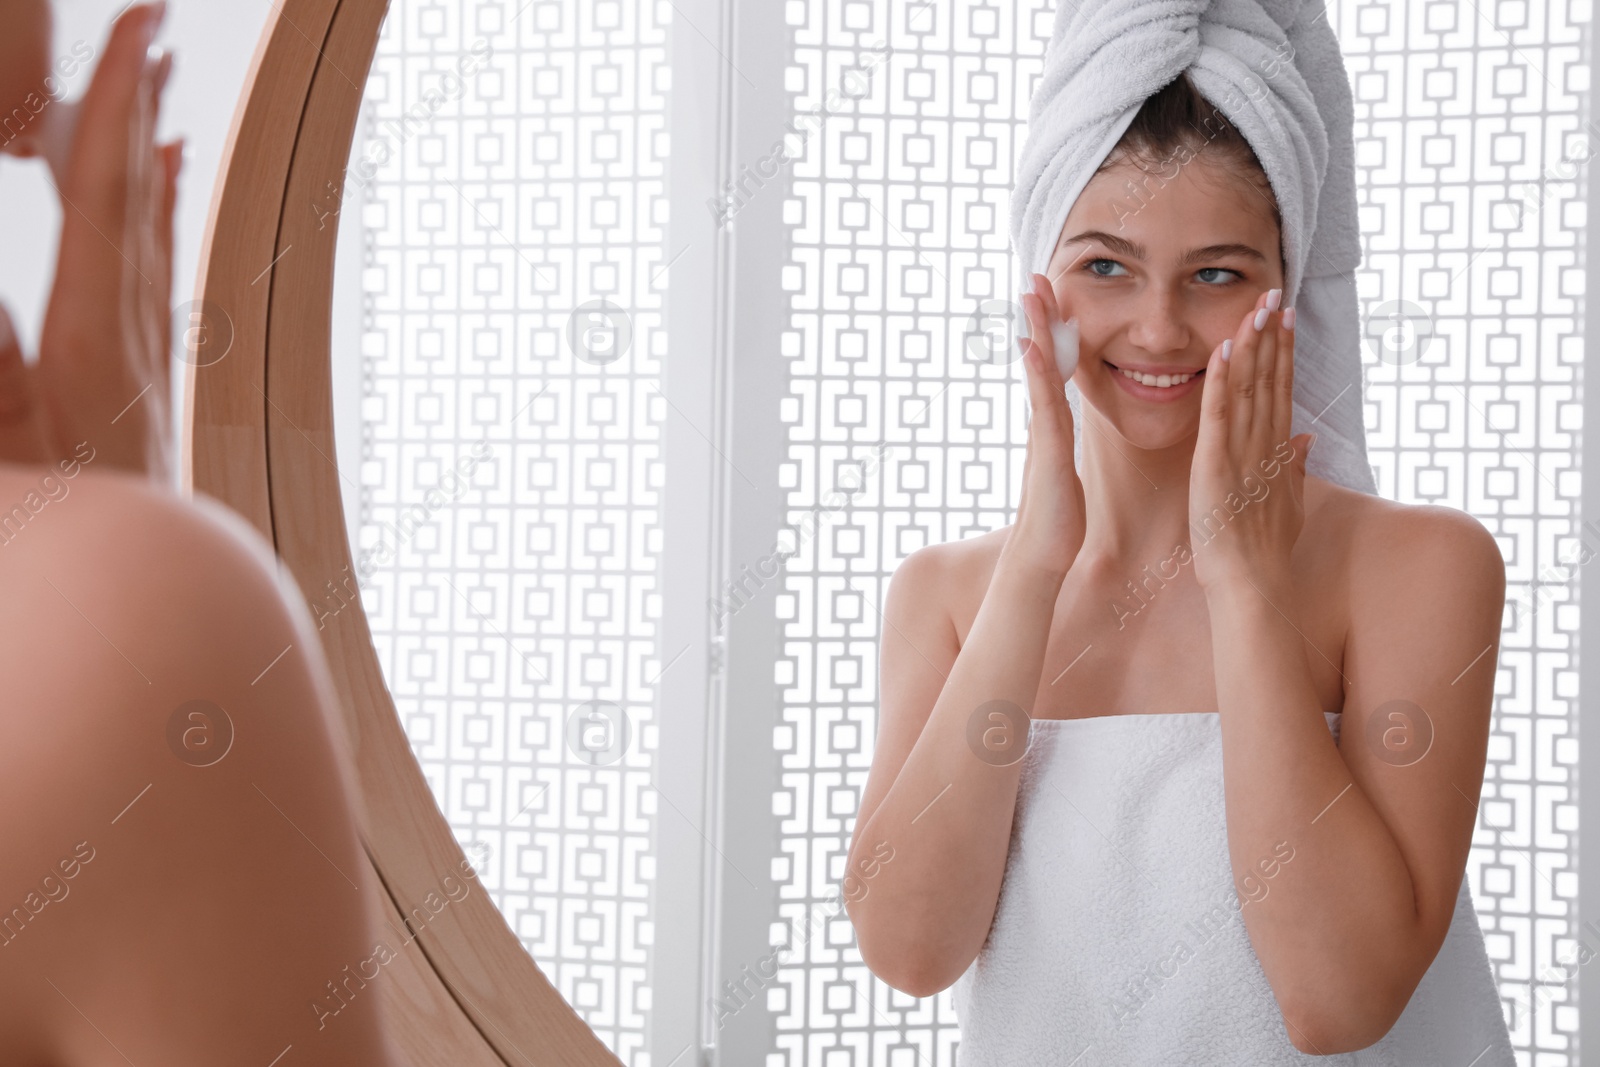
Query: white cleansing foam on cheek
(1065, 337)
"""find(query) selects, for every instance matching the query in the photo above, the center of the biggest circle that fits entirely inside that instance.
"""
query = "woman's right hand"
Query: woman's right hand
(1050, 524)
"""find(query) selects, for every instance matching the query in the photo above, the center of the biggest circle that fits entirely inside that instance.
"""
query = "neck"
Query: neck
(1137, 501)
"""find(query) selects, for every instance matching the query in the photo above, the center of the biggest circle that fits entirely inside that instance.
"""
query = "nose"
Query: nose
(1155, 321)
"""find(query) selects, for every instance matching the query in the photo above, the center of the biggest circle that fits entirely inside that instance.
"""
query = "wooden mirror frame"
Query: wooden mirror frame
(258, 436)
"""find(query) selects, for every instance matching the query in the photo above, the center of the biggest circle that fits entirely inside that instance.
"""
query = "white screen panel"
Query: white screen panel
(510, 478)
(899, 217)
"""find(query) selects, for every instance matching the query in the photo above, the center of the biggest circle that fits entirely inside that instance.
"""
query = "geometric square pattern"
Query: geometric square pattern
(1470, 140)
(512, 186)
(1471, 135)
(511, 176)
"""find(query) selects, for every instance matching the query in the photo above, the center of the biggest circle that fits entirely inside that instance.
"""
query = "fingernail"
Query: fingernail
(1227, 349)
(1274, 296)
(1288, 319)
(1261, 319)
(1311, 444)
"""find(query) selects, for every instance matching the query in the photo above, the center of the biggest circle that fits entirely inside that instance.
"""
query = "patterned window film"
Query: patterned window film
(906, 412)
(511, 182)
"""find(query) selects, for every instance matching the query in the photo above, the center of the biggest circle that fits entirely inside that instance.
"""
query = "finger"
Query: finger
(1038, 398)
(1283, 398)
(144, 204)
(1047, 392)
(1044, 341)
(1036, 402)
(99, 249)
(105, 122)
(14, 398)
(1214, 399)
(1242, 378)
(172, 156)
(22, 432)
(160, 196)
(1047, 293)
(1265, 395)
(1038, 320)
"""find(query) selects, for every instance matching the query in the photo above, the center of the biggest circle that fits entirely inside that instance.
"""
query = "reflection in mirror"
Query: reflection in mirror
(499, 335)
(498, 448)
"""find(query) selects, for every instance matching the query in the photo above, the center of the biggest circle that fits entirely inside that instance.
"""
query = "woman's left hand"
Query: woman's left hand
(103, 373)
(1247, 478)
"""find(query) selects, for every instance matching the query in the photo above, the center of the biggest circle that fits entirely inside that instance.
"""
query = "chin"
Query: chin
(1167, 426)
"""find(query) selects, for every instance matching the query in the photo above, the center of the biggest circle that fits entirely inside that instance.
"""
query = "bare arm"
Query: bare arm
(1381, 824)
(938, 808)
(931, 838)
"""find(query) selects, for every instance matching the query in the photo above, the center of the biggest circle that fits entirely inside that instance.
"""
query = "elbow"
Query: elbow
(910, 982)
(908, 968)
(1327, 1028)
(910, 973)
(914, 981)
(1355, 1010)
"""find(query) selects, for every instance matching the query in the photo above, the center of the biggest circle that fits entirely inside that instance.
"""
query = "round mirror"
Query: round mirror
(605, 623)
(534, 810)
(497, 455)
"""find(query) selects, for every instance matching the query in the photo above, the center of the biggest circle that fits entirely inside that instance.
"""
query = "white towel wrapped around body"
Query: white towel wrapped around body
(1274, 70)
(1119, 937)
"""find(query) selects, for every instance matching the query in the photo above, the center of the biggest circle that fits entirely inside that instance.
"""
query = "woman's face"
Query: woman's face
(1159, 274)
(25, 29)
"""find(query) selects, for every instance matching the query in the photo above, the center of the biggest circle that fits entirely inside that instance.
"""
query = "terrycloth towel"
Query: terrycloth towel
(1274, 69)
(1118, 939)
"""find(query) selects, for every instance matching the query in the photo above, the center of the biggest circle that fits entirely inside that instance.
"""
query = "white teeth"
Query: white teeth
(1161, 381)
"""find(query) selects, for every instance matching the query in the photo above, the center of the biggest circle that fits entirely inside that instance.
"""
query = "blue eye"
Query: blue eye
(1091, 267)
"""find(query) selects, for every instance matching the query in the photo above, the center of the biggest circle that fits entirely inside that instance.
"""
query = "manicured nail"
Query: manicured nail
(1261, 319)
(1227, 349)
(1288, 319)
(1274, 297)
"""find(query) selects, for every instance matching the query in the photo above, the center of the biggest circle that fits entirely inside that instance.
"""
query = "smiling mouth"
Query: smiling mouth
(1161, 381)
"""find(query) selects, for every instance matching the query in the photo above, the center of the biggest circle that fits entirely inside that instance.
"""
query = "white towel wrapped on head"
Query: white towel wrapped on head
(1274, 70)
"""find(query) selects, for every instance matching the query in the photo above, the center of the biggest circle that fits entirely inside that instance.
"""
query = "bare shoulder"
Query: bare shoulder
(920, 584)
(119, 594)
(1385, 544)
(958, 575)
(128, 554)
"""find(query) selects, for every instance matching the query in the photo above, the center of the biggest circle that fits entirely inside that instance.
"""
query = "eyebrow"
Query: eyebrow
(1123, 246)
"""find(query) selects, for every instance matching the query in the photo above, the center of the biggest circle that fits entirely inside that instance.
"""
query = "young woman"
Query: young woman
(1156, 794)
(183, 881)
